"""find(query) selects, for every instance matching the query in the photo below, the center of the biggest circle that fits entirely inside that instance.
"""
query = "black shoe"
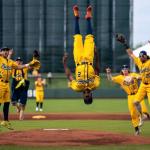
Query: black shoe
(137, 131)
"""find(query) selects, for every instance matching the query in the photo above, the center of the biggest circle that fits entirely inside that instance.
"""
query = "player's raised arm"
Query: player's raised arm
(108, 72)
(121, 38)
(97, 66)
(34, 63)
(67, 70)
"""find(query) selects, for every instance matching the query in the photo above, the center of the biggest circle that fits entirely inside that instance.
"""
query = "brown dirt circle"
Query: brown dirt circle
(72, 116)
(69, 137)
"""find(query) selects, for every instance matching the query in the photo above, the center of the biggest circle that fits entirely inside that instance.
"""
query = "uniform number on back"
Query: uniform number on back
(79, 74)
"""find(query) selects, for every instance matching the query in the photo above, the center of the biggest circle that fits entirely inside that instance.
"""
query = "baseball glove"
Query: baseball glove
(35, 63)
(121, 38)
(36, 55)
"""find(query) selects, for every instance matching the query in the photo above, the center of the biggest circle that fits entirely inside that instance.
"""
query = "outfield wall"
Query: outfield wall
(68, 93)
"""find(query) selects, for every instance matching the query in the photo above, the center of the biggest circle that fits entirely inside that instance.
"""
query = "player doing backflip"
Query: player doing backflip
(87, 78)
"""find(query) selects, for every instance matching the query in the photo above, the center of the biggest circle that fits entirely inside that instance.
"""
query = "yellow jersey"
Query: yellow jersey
(85, 78)
(6, 66)
(39, 86)
(144, 69)
(128, 83)
(20, 74)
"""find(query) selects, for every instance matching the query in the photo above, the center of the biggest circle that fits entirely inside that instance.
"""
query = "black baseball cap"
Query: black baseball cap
(125, 67)
(5, 49)
(142, 53)
(19, 58)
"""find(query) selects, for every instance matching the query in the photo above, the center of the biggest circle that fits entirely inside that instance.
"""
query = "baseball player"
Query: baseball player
(87, 78)
(39, 92)
(129, 83)
(19, 87)
(6, 66)
(143, 63)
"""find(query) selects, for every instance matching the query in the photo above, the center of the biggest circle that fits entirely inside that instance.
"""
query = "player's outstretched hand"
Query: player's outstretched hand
(120, 38)
(35, 63)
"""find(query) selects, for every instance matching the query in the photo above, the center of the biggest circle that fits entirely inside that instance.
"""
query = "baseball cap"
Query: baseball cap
(18, 58)
(4, 49)
(142, 53)
(125, 67)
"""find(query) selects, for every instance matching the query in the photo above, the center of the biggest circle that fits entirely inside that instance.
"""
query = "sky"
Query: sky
(141, 21)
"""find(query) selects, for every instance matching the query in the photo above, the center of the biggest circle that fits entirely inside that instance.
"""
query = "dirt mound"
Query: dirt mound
(68, 137)
(72, 116)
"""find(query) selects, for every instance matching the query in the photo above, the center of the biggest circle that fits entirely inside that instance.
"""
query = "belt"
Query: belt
(132, 94)
(84, 63)
(85, 81)
(145, 83)
(4, 81)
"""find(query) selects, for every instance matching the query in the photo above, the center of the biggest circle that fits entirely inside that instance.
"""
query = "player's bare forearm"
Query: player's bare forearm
(130, 53)
(68, 73)
(22, 66)
(109, 76)
(108, 73)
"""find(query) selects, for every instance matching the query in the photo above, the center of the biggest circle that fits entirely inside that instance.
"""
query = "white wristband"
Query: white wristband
(27, 65)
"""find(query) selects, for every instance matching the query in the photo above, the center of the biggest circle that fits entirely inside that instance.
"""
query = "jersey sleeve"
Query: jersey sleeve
(117, 79)
(14, 64)
(136, 61)
(136, 75)
(97, 81)
(74, 86)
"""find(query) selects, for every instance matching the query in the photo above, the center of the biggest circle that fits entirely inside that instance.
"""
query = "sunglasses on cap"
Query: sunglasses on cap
(142, 54)
(5, 49)
(125, 67)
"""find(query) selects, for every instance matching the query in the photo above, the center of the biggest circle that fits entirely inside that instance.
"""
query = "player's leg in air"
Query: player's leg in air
(89, 39)
(78, 43)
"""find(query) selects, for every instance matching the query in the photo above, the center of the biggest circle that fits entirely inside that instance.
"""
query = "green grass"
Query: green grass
(77, 106)
(112, 147)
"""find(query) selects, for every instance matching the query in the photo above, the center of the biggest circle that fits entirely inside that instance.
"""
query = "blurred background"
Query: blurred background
(47, 25)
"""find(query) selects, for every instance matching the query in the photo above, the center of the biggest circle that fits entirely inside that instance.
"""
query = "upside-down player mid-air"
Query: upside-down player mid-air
(129, 83)
(87, 78)
(143, 63)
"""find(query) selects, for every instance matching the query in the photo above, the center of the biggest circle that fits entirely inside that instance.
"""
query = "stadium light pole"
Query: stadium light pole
(41, 26)
(113, 31)
(65, 26)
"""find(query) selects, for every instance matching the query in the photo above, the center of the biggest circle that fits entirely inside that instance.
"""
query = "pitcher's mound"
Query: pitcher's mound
(68, 137)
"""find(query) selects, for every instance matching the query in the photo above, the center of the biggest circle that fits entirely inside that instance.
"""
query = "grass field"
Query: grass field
(77, 106)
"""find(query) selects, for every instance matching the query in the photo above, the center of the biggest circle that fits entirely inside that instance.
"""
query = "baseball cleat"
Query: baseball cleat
(88, 12)
(137, 131)
(37, 109)
(76, 11)
(7, 125)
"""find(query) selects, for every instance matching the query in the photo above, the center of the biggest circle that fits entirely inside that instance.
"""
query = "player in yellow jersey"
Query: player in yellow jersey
(20, 85)
(129, 83)
(87, 78)
(143, 64)
(6, 66)
(39, 92)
